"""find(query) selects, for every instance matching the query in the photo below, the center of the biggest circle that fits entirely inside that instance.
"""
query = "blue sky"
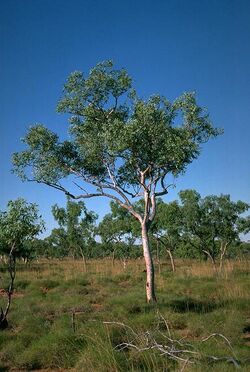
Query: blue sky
(168, 47)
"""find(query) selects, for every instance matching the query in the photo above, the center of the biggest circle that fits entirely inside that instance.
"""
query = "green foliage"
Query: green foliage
(166, 228)
(76, 233)
(186, 228)
(213, 222)
(116, 232)
(115, 135)
(19, 225)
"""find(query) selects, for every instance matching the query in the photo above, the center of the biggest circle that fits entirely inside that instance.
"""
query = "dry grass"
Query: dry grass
(194, 268)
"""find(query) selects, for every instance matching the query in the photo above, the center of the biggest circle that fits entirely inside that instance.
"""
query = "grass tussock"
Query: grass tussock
(57, 318)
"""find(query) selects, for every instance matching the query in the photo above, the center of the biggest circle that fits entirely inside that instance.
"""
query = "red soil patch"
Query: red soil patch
(15, 294)
(97, 307)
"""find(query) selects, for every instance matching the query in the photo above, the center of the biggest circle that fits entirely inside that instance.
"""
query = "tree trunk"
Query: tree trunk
(124, 263)
(84, 260)
(84, 263)
(113, 257)
(171, 259)
(12, 273)
(223, 249)
(212, 259)
(158, 255)
(150, 285)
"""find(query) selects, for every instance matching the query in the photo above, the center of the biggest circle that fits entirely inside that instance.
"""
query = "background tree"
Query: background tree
(116, 230)
(196, 230)
(58, 246)
(18, 225)
(121, 145)
(226, 219)
(167, 228)
(37, 248)
(77, 228)
(211, 224)
(244, 224)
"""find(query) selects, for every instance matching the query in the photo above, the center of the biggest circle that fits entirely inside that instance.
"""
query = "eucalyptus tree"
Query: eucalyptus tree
(19, 225)
(77, 228)
(196, 229)
(212, 223)
(226, 217)
(122, 146)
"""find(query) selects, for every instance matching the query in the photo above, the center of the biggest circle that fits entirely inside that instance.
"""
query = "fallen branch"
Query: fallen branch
(172, 348)
(219, 335)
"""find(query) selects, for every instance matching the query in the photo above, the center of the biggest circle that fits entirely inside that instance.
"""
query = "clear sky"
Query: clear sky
(168, 46)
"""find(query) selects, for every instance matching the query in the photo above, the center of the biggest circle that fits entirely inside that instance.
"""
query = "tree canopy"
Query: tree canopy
(76, 229)
(20, 223)
(211, 220)
(119, 143)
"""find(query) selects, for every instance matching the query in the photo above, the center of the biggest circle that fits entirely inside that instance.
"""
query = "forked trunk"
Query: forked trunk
(223, 249)
(150, 284)
(171, 259)
(84, 260)
(212, 259)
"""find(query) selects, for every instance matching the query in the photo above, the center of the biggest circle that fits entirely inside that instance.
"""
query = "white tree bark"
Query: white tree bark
(171, 259)
(223, 249)
(212, 259)
(150, 286)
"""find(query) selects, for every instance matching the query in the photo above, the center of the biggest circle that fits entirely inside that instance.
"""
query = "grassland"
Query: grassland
(57, 318)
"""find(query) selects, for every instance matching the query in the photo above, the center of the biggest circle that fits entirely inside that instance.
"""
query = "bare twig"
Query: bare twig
(116, 323)
(165, 322)
(174, 349)
(226, 359)
(223, 337)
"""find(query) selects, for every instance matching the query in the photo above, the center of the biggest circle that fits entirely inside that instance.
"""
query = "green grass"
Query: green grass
(194, 302)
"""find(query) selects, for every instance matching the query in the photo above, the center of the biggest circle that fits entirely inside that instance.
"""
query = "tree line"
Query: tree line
(190, 227)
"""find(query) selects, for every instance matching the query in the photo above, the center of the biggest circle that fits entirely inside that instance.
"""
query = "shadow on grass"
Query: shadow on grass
(246, 329)
(188, 304)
